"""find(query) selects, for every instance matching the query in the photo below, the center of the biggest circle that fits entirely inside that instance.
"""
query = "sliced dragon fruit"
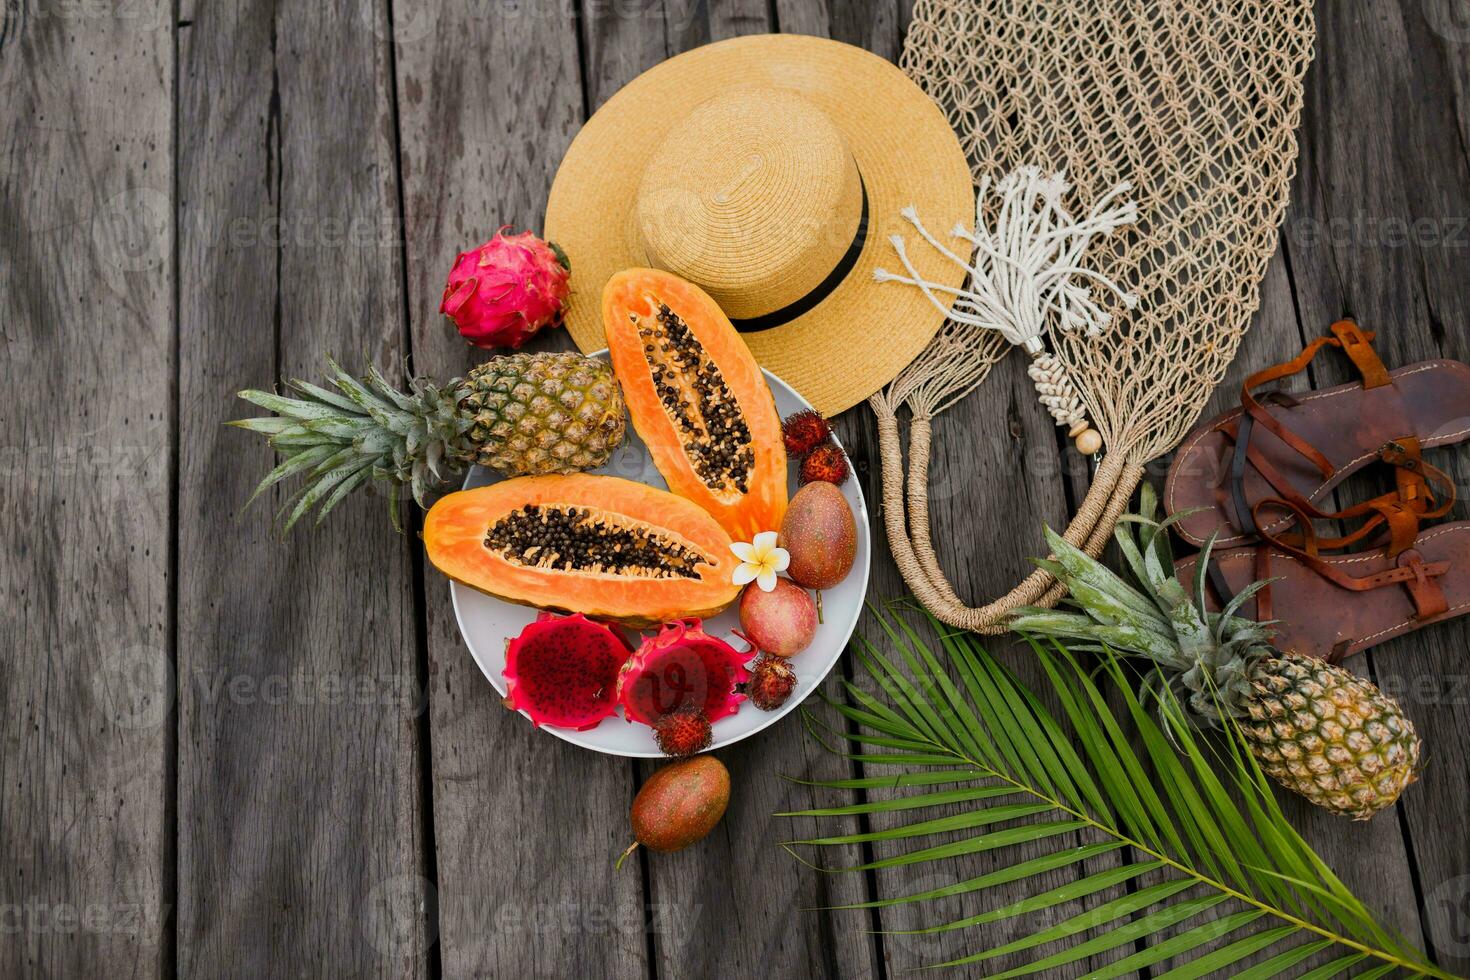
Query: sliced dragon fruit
(563, 671)
(682, 665)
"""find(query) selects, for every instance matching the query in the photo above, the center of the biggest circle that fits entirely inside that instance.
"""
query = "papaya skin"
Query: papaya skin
(454, 536)
(639, 292)
(820, 534)
(679, 805)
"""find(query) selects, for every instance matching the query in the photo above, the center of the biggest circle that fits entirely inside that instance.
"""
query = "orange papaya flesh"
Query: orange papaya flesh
(697, 398)
(598, 545)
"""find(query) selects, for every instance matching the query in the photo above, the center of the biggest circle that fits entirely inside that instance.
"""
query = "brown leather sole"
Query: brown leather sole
(1315, 616)
(1348, 424)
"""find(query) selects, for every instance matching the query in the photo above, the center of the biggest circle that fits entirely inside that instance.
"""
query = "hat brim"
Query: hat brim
(863, 332)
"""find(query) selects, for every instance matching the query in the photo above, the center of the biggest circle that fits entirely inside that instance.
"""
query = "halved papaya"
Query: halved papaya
(697, 398)
(599, 545)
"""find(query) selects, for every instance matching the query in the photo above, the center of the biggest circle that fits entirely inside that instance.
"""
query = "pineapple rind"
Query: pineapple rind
(1315, 728)
(520, 414)
(542, 413)
(1332, 737)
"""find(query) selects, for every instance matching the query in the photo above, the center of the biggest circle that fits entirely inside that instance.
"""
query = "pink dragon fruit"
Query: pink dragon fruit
(563, 671)
(683, 666)
(502, 293)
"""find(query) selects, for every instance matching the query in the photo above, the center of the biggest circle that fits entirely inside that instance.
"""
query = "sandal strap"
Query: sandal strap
(1357, 344)
(1241, 436)
(1263, 573)
(1400, 511)
(1348, 337)
(1239, 433)
(1252, 408)
(1418, 577)
(1410, 570)
(1429, 600)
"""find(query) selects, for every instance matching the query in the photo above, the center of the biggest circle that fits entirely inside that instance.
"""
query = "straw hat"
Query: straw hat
(770, 170)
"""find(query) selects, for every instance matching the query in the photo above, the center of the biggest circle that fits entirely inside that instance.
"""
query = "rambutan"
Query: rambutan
(827, 464)
(804, 431)
(683, 732)
(771, 682)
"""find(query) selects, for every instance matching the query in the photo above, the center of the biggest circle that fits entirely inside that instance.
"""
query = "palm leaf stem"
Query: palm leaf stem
(1184, 869)
(950, 735)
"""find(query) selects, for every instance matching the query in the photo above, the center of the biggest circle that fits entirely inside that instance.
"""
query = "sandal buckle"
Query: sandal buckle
(1395, 453)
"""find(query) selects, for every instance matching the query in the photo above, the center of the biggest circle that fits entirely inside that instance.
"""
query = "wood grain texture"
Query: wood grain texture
(872, 24)
(205, 721)
(86, 311)
(780, 929)
(1378, 231)
(526, 827)
(998, 474)
(298, 799)
(733, 18)
(1371, 858)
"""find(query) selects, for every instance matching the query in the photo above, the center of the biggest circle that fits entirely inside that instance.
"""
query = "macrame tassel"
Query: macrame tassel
(1060, 397)
(1026, 273)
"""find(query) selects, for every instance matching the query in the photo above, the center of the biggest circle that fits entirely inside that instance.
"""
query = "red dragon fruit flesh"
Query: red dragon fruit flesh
(563, 671)
(683, 666)
(501, 293)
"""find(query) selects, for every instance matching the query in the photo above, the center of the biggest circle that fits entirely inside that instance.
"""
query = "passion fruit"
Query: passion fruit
(820, 534)
(679, 805)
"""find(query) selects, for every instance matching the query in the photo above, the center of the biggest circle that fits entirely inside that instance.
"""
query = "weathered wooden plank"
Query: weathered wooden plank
(872, 24)
(996, 477)
(905, 14)
(86, 312)
(732, 18)
(996, 454)
(1380, 208)
(739, 867)
(808, 17)
(526, 826)
(1009, 451)
(618, 43)
(300, 833)
(1443, 26)
(1371, 858)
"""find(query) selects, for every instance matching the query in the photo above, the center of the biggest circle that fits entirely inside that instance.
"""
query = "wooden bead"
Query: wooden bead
(1089, 441)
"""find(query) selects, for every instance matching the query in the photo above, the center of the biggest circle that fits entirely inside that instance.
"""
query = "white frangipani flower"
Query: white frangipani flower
(760, 560)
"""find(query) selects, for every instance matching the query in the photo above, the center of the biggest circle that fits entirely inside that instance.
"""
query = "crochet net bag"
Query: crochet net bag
(1193, 102)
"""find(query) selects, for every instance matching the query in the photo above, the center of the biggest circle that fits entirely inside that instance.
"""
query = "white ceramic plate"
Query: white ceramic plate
(486, 622)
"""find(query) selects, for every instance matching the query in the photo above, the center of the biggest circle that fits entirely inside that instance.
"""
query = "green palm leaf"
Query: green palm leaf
(1218, 878)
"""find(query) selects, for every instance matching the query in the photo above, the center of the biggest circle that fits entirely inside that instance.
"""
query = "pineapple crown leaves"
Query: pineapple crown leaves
(1205, 659)
(364, 430)
(1073, 772)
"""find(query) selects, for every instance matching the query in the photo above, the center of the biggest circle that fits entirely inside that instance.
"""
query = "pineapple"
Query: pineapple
(519, 414)
(1314, 728)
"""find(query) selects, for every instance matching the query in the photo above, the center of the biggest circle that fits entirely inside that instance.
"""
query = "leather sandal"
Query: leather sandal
(1297, 449)
(1331, 606)
(1334, 606)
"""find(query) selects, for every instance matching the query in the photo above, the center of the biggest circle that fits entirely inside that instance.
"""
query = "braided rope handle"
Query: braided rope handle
(906, 518)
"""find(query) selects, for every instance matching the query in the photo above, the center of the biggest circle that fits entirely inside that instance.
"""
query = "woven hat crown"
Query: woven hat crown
(755, 196)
